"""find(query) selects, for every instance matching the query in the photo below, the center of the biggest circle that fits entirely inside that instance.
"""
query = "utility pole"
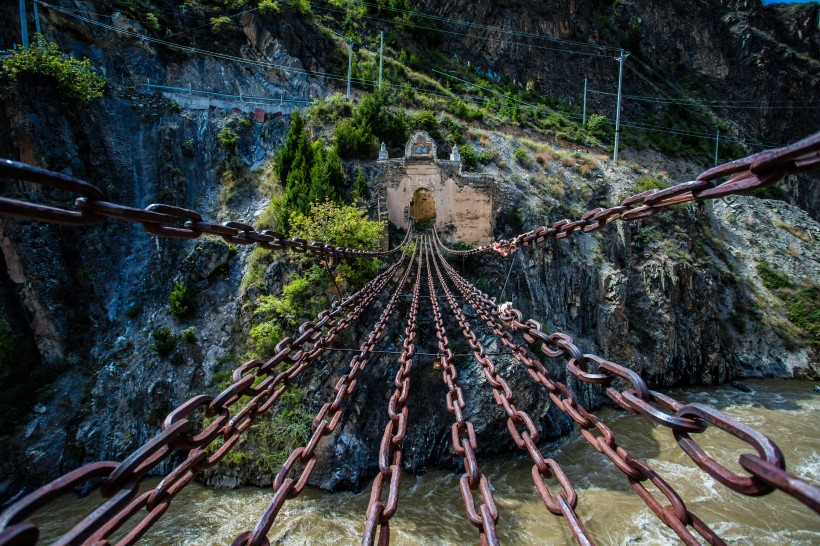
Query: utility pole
(717, 143)
(381, 51)
(349, 64)
(584, 117)
(621, 60)
(36, 18)
(23, 24)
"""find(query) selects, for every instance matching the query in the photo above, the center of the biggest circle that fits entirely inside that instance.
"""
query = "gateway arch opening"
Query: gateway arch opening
(422, 206)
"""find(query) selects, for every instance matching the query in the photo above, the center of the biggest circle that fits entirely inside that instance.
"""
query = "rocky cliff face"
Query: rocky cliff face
(678, 300)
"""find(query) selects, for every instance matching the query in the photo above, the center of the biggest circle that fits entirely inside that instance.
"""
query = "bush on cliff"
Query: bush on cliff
(44, 61)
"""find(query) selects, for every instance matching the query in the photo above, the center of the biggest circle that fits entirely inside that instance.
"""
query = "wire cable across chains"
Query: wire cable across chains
(157, 219)
(120, 481)
(767, 467)
(745, 175)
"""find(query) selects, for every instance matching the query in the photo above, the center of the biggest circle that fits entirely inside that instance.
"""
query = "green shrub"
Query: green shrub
(188, 148)
(221, 24)
(175, 107)
(164, 340)
(523, 157)
(360, 190)
(648, 182)
(228, 138)
(43, 60)
(355, 140)
(181, 300)
(773, 278)
(188, 335)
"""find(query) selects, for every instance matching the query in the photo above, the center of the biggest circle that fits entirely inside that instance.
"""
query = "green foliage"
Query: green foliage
(471, 159)
(355, 140)
(644, 235)
(181, 300)
(648, 182)
(188, 335)
(360, 190)
(188, 148)
(175, 107)
(310, 173)
(265, 336)
(523, 157)
(164, 340)
(597, 126)
(772, 278)
(268, 6)
(342, 225)
(802, 304)
(221, 24)
(43, 60)
(228, 138)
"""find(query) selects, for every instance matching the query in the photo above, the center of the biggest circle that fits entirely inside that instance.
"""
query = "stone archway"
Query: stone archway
(422, 206)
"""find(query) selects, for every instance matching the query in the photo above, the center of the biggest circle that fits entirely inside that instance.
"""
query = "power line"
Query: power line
(486, 27)
(714, 104)
(408, 24)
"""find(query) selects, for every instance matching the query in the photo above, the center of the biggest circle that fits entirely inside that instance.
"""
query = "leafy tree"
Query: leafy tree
(342, 225)
(43, 60)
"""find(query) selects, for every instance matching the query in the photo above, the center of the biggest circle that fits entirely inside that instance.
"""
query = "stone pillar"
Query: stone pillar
(455, 155)
(383, 153)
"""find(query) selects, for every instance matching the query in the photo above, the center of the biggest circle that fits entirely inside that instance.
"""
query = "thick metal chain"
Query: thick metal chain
(120, 481)
(563, 503)
(324, 424)
(378, 513)
(746, 174)
(159, 220)
(767, 467)
(641, 471)
(462, 432)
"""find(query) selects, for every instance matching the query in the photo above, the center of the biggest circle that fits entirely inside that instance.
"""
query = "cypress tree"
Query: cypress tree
(360, 190)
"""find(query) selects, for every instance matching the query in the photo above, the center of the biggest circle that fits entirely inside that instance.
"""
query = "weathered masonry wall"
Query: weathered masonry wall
(463, 205)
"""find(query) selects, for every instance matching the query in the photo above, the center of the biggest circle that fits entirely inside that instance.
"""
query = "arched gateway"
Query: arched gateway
(423, 188)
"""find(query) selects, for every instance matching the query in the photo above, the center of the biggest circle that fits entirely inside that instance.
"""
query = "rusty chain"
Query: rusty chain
(120, 481)
(767, 467)
(324, 424)
(561, 504)
(378, 514)
(157, 219)
(257, 385)
(641, 471)
(462, 432)
(747, 174)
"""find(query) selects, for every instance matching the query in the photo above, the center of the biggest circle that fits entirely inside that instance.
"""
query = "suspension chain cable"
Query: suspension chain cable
(121, 481)
(767, 467)
(462, 432)
(747, 174)
(378, 513)
(562, 504)
(324, 424)
(157, 219)
(639, 471)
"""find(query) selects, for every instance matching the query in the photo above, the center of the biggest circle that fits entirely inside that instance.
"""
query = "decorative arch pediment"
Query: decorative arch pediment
(420, 145)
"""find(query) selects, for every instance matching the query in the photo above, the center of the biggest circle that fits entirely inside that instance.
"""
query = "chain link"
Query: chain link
(748, 174)
(120, 481)
(157, 219)
(520, 425)
(324, 424)
(390, 448)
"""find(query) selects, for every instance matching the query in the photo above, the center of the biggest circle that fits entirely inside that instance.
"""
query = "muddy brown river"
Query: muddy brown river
(431, 511)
